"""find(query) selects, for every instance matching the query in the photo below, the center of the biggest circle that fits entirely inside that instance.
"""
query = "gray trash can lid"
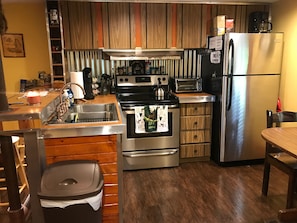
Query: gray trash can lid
(67, 180)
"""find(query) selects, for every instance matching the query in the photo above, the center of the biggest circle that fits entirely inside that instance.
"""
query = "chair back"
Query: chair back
(275, 119)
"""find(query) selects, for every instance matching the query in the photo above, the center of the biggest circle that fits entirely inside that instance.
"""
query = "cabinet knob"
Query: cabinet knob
(195, 136)
(195, 151)
(195, 123)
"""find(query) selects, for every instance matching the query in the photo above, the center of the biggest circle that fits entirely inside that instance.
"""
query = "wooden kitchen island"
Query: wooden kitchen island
(48, 143)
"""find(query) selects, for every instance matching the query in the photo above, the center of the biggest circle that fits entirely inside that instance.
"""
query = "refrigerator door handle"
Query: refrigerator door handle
(230, 73)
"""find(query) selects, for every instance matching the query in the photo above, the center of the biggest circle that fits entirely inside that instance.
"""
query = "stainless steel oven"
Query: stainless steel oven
(148, 149)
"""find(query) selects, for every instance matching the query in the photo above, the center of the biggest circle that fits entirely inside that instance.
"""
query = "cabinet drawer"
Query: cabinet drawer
(195, 122)
(195, 150)
(196, 109)
(197, 136)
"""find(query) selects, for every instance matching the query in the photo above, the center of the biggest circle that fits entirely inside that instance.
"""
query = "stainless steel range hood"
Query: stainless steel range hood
(143, 54)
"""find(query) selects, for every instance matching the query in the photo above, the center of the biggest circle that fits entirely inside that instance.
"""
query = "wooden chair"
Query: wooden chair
(19, 151)
(279, 159)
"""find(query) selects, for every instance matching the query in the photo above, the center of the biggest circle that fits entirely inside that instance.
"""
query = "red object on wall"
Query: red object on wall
(279, 105)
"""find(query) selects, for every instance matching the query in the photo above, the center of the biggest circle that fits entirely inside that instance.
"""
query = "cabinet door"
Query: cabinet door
(196, 109)
(195, 122)
(156, 26)
(196, 136)
(191, 24)
(118, 26)
(195, 150)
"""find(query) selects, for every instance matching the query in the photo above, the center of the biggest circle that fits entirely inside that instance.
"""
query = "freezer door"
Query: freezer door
(254, 53)
(244, 116)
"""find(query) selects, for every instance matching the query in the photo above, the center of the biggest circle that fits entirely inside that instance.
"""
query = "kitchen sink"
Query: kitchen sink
(104, 116)
(82, 113)
(86, 108)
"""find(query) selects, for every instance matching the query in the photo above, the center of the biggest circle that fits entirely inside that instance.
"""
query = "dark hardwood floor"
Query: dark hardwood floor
(202, 192)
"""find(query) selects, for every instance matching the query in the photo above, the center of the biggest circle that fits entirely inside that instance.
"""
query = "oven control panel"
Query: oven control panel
(141, 80)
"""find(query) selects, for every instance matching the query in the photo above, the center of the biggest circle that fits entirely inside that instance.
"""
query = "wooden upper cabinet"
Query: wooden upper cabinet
(78, 25)
(191, 26)
(92, 25)
(156, 26)
(117, 30)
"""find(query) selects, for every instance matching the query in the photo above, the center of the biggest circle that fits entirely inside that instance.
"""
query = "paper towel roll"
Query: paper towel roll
(77, 77)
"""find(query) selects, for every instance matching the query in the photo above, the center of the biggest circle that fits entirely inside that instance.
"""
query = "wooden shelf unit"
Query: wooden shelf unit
(56, 44)
(195, 131)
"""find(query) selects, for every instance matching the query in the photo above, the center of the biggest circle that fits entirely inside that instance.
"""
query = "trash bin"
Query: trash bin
(71, 191)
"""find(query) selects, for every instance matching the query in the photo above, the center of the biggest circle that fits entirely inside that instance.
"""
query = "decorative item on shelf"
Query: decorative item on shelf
(162, 69)
(105, 84)
(138, 66)
(147, 67)
(56, 48)
(54, 17)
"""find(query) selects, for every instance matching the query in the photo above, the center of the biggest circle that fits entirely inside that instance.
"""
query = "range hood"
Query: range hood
(143, 54)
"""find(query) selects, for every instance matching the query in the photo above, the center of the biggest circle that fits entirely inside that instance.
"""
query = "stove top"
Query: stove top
(138, 90)
(147, 99)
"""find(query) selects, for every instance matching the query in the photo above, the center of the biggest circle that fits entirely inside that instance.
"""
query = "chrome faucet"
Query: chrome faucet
(62, 107)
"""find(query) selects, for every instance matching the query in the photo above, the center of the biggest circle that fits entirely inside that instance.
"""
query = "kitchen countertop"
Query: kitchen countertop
(34, 135)
(88, 128)
(195, 97)
(20, 110)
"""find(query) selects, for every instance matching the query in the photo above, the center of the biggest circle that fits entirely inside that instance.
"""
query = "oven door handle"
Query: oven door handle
(131, 109)
(150, 153)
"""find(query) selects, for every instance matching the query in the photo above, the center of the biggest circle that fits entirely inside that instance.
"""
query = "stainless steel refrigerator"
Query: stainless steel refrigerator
(243, 72)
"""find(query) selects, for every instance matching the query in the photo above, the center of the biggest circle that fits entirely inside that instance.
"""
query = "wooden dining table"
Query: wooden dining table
(284, 138)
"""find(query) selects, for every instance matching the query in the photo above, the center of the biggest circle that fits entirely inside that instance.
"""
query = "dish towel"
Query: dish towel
(151, 118)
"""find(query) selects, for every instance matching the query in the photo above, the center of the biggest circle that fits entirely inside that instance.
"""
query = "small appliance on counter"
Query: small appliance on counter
(186, 85)
(88, 82)
(105, 85)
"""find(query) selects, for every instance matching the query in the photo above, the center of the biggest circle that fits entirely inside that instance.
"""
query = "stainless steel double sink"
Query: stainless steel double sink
(82, 113)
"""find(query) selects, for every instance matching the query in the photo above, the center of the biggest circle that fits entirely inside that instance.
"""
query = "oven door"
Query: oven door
(152, 149)
(133, 141)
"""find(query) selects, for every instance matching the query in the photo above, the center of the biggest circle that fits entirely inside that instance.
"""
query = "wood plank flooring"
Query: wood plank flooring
(202, 192)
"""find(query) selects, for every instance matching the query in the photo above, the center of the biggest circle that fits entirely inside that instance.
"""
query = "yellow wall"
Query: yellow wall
(26, 17)
(284, 15)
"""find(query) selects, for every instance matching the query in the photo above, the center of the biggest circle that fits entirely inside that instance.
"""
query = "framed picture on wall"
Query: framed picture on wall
(13, 45)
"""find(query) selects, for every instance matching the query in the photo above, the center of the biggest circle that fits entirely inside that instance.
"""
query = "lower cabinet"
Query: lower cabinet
(100, 148)
(195, 131)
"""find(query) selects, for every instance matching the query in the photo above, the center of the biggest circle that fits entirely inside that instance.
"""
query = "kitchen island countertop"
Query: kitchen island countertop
(20, 110)
(30, 125)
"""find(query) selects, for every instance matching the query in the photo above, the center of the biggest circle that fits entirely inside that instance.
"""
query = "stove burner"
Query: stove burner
(147, 99)
(139, 90)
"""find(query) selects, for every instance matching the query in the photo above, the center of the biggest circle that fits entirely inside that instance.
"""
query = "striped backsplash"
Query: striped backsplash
(187, 67)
